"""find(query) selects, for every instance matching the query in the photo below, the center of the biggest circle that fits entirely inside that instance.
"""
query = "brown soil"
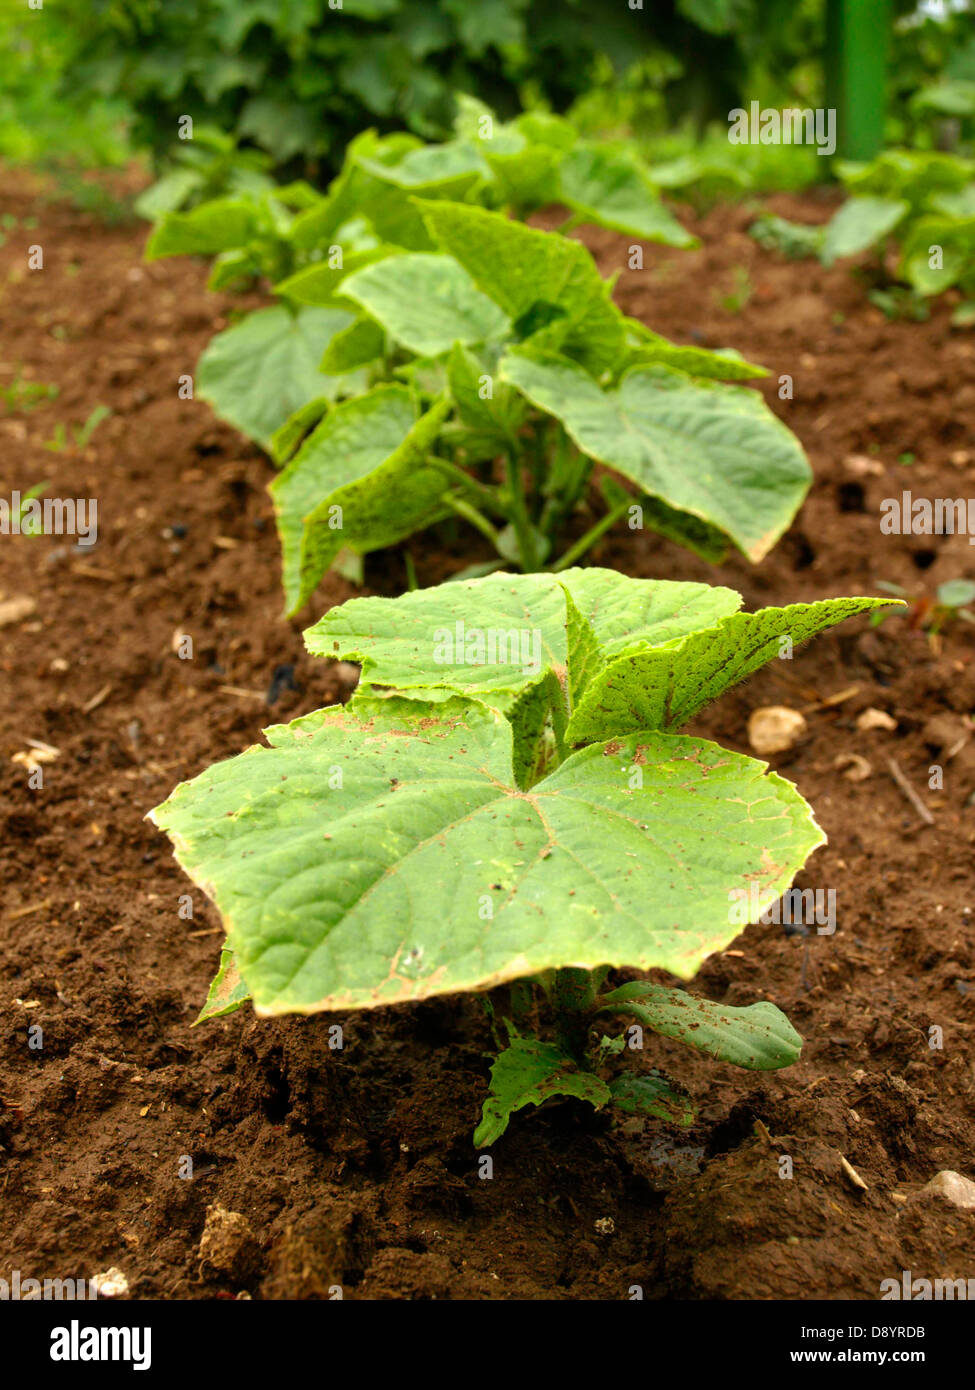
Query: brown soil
(355, 1167)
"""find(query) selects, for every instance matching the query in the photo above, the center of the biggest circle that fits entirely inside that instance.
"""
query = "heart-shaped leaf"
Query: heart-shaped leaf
(259, 372)
(425, 302)
(860, 223)
(359, 481)
(519, 268)
(715, 451)
(759, 1036)
(611, 190)
(382, 851)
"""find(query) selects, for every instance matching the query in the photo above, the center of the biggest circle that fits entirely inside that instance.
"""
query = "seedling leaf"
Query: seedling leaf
(651, 1094)
(530, 1072)
(759, 1037)
(227, 990)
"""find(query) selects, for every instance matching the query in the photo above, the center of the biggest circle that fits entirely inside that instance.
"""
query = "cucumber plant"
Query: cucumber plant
(506, 800)
(431, 357)
(501, 374)
(302, 241)
(925, 199)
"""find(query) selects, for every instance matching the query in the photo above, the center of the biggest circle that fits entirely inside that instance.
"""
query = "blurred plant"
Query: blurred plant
(740, 293)
(211, 165)
(81, 434)
(951, 602)
(927, 198)
(23, 395)
(46, 120)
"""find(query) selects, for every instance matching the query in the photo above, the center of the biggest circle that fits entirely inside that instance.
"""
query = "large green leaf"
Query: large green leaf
(722, 364)
(662, 687)
(859, 224)
(359, 481)
(434, 637)
(259, 372)
(425, 302)
(628, 654)
(528, 272)
(759, 1036)
(715, 451)
(381, 851)
(607, 188)
(451, 169)
(530, 1072)
(219, 225)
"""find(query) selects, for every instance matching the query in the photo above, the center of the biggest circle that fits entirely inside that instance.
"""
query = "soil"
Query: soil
(354, 1168)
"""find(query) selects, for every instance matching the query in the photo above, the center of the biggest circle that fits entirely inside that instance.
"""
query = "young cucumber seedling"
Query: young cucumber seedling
(506, 801)
(503, 383)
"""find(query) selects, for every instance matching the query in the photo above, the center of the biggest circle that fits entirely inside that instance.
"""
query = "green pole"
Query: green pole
(857, 42)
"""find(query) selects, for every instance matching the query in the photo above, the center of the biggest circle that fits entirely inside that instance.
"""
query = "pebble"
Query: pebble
(228, 1244)
(774, 728)
(956, 1188)
(875, 719)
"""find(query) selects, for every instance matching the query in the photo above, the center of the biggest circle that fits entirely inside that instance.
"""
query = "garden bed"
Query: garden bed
(355, 1167)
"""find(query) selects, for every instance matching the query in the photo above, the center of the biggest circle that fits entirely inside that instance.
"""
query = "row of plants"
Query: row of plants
(430, 356)
(506, 806)
(925, 200)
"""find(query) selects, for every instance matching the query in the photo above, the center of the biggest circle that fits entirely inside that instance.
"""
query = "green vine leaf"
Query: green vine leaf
(665, 686)
(382, 851)
(530, 1072)
(359, 481)
(425, 302)
(227, 992)
(611, 190)
(651, 1093)
(715, 451)
(629, 654)
(759, 1037)
(259, 372)
(521, 268)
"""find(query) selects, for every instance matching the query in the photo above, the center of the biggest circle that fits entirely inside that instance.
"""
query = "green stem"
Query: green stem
(591, 536)
(573, 995)
(476, 518)
(520, 996)
(567, 482)
(519, 515)
(485, 495)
